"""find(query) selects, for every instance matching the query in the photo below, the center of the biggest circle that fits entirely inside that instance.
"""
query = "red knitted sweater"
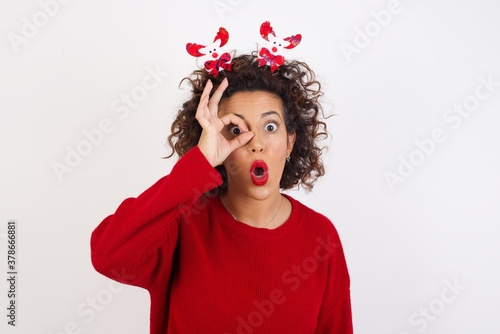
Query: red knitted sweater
(208, 273)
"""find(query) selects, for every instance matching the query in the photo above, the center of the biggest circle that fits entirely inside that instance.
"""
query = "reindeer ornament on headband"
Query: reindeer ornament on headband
(270, 54)
(217, 59)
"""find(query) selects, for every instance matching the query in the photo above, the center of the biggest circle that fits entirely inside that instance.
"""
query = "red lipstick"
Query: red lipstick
(259, 172)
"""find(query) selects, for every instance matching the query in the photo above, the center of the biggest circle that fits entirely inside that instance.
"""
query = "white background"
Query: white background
(405, 243)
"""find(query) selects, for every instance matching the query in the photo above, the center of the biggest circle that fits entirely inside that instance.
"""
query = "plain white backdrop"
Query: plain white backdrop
(413, 169)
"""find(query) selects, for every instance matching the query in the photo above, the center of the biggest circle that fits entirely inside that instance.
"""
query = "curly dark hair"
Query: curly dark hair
(295, 83)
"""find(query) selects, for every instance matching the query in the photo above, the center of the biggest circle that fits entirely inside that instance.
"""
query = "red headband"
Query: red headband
(270, 54)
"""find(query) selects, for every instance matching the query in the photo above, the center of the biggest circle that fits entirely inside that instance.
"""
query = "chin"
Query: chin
(262, 192)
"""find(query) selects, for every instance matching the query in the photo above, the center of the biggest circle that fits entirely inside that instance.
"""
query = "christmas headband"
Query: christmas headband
(270, 54)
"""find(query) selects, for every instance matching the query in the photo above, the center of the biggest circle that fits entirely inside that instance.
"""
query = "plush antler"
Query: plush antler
(194, 49)
(294, 41)
(266, 29)
(223, 35)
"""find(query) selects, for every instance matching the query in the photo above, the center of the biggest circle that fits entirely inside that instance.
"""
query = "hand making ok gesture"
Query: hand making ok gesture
(214, 146)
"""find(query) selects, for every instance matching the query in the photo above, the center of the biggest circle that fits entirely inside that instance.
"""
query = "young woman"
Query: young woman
(217, 245)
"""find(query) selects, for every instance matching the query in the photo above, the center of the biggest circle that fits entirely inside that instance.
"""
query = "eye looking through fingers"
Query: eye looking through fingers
(234, 130)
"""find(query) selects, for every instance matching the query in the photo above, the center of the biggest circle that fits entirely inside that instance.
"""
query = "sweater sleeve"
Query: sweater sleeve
(335, 316)
(139, 238)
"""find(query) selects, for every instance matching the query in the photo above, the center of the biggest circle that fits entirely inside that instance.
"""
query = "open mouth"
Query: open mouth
(259, 172)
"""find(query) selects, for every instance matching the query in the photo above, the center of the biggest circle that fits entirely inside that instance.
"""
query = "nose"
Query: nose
(256, 145)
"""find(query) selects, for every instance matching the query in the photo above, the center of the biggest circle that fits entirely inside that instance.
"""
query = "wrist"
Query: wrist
(206, 155)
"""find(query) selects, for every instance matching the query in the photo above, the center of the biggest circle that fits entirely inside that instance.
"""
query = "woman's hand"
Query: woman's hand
(214, 146)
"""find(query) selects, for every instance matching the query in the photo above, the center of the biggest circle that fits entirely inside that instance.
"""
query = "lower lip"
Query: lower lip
(259, 180)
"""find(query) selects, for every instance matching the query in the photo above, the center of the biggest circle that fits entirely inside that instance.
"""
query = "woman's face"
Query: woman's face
(255, 169)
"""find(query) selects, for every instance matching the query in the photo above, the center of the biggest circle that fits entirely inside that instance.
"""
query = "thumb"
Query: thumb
(241, 140)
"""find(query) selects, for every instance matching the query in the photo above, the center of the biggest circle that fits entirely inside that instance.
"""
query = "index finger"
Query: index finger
(204, 99)
(217, 95)
(234, 119)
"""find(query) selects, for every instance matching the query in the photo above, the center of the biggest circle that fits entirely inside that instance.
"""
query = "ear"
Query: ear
(290, 142)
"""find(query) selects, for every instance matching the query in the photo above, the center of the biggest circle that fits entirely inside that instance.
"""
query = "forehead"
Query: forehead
(254, 102)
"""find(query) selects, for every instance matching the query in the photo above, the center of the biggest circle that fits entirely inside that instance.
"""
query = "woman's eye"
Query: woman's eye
(235, 130)
(271, 127)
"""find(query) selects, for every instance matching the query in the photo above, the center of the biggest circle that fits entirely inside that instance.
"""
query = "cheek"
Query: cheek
(233, 163)
(278, 148)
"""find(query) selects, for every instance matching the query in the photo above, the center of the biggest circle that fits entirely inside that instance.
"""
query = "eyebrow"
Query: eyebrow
(267, 113)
